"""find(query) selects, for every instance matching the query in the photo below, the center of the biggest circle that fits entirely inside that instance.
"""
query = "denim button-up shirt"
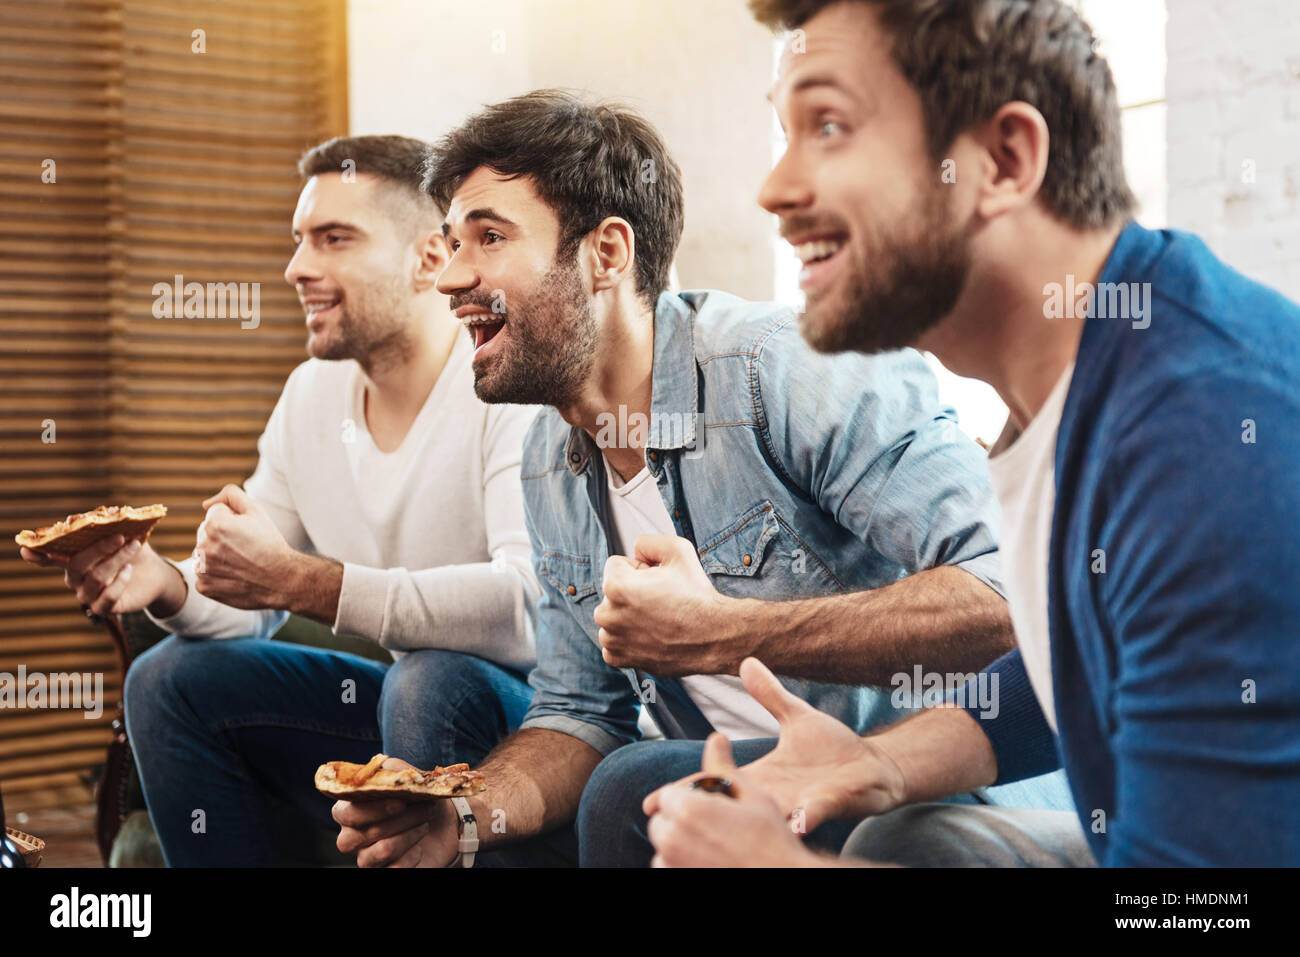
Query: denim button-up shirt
(795, 474)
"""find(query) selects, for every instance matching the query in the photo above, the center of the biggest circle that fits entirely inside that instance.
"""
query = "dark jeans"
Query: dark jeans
(612, 829)
(611, 826)
(228, 735)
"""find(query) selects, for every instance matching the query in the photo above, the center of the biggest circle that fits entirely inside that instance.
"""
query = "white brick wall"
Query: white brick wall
(1233, 123)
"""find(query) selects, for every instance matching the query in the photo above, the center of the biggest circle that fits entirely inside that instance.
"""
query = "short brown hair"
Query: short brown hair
(398, 160)
(588, 161)
(966, 58)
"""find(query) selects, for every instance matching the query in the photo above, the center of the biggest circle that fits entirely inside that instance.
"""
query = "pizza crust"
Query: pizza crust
(77, 532)
(370, 781)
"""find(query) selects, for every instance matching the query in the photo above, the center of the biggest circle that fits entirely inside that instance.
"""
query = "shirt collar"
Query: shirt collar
(675, 392)
(1134, 250)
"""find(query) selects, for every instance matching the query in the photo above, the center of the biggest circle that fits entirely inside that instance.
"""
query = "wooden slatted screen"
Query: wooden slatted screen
(167, 162)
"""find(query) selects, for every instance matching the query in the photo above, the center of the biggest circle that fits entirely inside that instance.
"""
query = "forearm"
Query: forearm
(311, 586)
(199, 616)
(944, 619)
(536, 780)
(938, 753)
(483, 608)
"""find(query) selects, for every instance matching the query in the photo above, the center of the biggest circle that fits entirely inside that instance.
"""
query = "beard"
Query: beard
(551, 342)
(898, 286)
(370, 326)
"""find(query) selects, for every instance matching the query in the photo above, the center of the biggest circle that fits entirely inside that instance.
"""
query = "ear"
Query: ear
(613, 248)
(1014, 144)
(434, 256)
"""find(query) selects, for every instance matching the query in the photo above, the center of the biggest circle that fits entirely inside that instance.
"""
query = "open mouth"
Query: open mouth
(819, 257)
(484, 329)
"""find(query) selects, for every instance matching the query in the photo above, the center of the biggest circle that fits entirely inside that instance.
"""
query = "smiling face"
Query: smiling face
(357, 251)
(524, 302)
(858, 194)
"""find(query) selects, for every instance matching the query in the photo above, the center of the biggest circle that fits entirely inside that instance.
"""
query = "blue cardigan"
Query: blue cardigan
(1174, 576)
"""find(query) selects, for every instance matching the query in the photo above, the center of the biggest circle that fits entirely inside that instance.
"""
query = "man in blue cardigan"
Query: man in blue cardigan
(953, 180)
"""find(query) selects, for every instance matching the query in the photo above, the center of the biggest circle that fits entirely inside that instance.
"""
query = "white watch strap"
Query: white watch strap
(467, 824)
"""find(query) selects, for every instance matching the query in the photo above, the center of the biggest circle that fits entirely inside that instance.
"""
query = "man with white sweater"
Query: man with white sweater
(386, 503)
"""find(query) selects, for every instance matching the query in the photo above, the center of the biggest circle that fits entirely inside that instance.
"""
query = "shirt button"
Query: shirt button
(574, 591)
(575, 458)
(747, 560)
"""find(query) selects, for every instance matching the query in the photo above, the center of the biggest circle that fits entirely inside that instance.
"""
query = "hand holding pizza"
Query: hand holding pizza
(106, 559)
(393, 833)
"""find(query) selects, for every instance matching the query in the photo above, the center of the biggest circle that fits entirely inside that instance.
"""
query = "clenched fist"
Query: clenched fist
(240, 557)
(662, 613)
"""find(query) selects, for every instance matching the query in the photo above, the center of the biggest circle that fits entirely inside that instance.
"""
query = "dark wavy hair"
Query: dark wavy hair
(588, 161)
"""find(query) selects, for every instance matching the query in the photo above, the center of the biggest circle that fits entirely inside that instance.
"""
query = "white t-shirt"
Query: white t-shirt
(636, 508)
(431, 535)
(1024, 477)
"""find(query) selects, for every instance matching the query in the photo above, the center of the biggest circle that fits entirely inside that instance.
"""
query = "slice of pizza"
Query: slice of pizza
(80, 531)
(369, 781)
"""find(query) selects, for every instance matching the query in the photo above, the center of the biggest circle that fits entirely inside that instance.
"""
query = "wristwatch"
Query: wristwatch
(467, 826)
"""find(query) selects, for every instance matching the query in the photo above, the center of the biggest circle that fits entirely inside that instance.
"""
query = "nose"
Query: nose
(787, 187)
(302, 265)
(458, 277)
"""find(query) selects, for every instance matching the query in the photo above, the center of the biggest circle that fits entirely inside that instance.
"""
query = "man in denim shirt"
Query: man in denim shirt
(837, 485)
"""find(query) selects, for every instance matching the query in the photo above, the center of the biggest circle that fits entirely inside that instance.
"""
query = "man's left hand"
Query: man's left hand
(661, 612)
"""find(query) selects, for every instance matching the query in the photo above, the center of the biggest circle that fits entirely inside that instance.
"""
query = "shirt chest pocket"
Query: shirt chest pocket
(739, 550)
(574, 577)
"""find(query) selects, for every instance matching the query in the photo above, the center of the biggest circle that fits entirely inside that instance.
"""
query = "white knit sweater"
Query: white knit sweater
(431, 536)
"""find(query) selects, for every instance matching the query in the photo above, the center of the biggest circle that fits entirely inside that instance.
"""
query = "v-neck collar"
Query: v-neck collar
(437, 396)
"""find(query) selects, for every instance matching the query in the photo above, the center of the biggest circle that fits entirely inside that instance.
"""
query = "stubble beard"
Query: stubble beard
(552, 344)
(898, 287)
(371, 328)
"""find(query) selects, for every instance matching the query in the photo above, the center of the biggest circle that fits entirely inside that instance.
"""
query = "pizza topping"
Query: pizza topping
(355, 775)
(340, 777)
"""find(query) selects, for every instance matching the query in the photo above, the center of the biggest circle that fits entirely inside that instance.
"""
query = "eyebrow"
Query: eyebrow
(482, 213)
(330, 227)
(813, 80)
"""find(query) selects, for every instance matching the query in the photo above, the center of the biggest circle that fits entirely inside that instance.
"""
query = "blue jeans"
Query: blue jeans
(612, 828)
(228, 735)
